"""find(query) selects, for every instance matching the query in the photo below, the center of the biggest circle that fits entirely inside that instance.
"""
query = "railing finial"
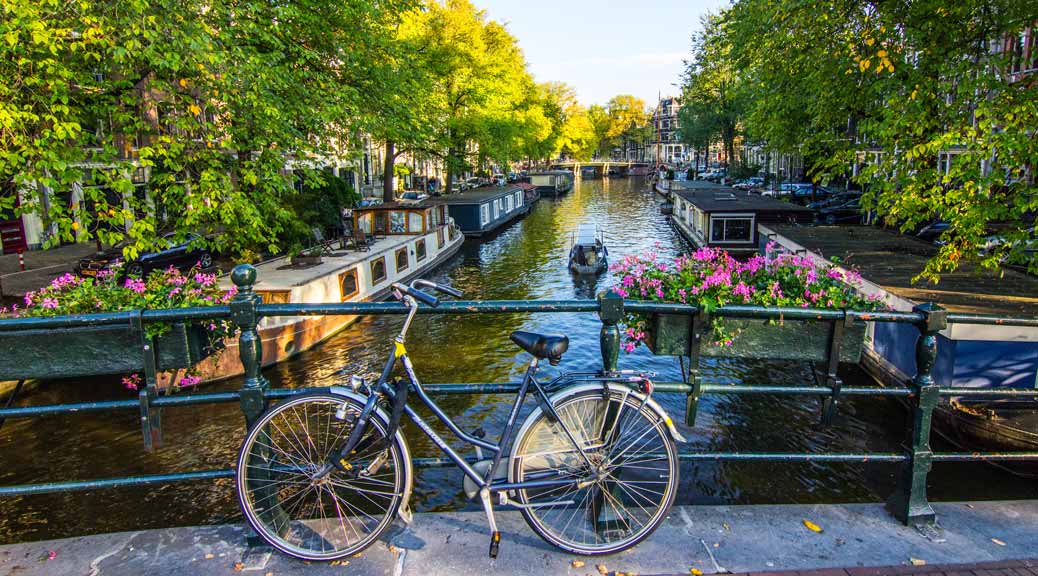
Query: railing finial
(244, 277)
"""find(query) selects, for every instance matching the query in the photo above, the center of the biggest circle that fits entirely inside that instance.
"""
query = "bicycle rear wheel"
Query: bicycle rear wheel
(330, 517)
(630, 481)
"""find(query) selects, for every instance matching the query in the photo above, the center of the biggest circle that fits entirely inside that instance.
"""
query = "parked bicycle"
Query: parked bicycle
(593, 468)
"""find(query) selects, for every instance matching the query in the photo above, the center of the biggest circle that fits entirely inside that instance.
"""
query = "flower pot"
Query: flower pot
(306, 260)
(670, 335)
(96, 350)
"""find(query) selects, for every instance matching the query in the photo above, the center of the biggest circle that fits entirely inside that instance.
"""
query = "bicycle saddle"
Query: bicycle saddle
(550, 346)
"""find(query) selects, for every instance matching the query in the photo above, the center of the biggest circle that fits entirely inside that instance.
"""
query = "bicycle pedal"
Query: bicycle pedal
(495, 544)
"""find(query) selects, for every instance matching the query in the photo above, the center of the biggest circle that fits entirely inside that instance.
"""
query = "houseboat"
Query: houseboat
(391, 242)
(969, 356)
(723, 217)
(553, 182)
(483, 210)
(588, 254)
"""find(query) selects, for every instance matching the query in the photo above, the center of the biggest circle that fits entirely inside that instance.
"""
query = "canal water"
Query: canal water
(525, 261)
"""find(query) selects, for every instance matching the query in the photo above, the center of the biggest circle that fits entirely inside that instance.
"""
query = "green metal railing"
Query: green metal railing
(908, 503)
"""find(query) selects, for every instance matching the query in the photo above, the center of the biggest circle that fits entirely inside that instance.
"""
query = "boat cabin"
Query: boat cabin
(727, 218)
(482, 210)
(403, 218)
(552, 182)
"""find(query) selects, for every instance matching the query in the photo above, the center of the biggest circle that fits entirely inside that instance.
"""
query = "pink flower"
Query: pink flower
(189, 380)
(135, 284)
(132, 382)
(49, 303)
(28, 298)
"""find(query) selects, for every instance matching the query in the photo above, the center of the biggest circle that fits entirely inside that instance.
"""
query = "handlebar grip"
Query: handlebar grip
(428, 299)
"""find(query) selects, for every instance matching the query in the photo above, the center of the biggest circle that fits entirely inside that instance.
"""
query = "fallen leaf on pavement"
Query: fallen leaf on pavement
(238, 566)
(812, 526)
(602, 569)
(917, 562)
(209, 556)
(997, 541)
(577, 563)
(727, 527)
(53, 554)
(695, 572)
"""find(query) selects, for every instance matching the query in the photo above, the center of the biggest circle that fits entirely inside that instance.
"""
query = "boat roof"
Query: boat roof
(725, 199)
(587, 234)
(475, 196)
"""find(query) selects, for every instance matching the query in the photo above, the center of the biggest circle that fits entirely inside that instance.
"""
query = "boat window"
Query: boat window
(419, 250)
(508, 203)
(497, 208)
(275, 296)
(518, 199)
(434, 217)
(380, 222)
(401, 259)
(364, 222)
(731, 229)
(414, 222)
(348, 286)
(439, 238)
(484, 214)
(397, 222)
(378, 270)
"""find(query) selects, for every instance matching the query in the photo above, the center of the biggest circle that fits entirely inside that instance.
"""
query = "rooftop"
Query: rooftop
(715, 198)
(892, 260)
(475, 195)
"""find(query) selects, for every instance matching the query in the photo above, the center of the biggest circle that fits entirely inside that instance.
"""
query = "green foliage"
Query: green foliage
(318, 204)
(920, 95)
(212, 98)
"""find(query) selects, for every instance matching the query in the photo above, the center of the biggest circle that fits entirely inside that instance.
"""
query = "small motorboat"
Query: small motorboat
(588, 255)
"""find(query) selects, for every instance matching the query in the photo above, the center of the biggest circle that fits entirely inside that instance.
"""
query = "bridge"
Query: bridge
(602, 167)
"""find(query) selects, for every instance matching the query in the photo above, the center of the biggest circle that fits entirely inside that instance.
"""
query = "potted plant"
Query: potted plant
(85, 350)
(710, 278)
(306, 256)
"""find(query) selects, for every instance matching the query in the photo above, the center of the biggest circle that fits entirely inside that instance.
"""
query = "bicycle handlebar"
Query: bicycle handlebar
(445, 289)
(417, 294)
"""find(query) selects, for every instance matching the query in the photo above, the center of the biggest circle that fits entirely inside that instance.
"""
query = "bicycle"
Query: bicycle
(593, 468)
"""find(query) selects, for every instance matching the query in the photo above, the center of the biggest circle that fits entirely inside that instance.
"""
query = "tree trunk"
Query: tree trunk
(387, 173)
(449, 185)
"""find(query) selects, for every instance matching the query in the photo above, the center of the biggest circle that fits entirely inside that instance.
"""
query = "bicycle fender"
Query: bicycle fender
(403, 511)
(620, 388)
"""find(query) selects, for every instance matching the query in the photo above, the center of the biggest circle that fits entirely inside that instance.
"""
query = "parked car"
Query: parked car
(473, 182)
(413, 196)
(749, 183)
(848, 211)
(1021, 252)
(183, 255)
(834, 200)
(499, 180)
(932, 231)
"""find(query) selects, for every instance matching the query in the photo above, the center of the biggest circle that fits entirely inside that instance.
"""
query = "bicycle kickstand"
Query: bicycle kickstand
(488, 506)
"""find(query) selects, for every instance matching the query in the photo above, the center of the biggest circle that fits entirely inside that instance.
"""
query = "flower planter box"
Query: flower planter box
(670, 335)
(307, 260)
(96, 350)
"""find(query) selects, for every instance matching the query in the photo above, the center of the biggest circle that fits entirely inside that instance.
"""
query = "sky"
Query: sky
(603, 47)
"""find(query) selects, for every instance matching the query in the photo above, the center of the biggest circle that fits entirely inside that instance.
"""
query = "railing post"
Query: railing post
(250, 347)
(909, 503)
(611, 312)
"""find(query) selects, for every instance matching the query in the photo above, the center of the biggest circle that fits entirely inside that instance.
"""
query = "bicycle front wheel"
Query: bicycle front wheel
(320, 518)
(625, 462)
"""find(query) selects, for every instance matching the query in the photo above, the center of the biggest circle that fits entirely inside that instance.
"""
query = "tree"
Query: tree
(213, 99)
(923, 91)
(712, 100)
(628, 120)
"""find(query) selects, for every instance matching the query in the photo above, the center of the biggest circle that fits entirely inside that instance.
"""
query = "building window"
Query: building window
(401, 259)
(348, 285)
(275, 296)
(397, 222)
(419, 250)
(484, 214)
(731, 228)
(378, 270)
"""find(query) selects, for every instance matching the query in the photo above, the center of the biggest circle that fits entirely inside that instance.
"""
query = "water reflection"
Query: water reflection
(528, 260)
